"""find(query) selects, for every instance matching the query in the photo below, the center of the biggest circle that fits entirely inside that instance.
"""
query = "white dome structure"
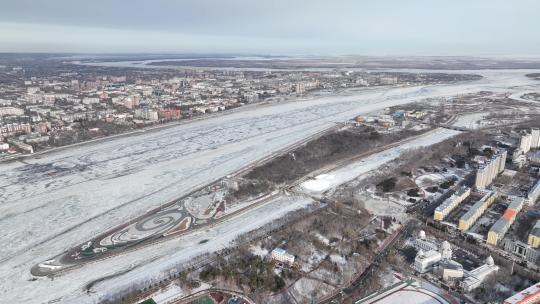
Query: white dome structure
(445, 245)
(422, 235)
(446, 250)
(489, 261)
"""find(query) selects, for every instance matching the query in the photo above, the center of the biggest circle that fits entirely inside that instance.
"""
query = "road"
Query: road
(51, 203)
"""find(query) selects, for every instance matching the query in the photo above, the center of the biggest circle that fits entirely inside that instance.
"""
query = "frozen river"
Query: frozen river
(54, 202)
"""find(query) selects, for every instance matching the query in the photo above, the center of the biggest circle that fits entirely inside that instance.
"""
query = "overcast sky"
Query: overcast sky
(314, 27)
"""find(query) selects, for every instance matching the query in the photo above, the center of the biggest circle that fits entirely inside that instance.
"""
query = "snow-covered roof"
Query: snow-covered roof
(479, 204)
(279, 250)
(528, 294)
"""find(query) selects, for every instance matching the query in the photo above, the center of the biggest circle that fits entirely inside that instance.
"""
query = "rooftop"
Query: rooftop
(476, 206)
(279, 250)
(536, 229)
(479, 274)
(526, 294)
(516, 203)
(535, 188)
(409, 289)
(447, 202)
(450, 264)
(500, 226)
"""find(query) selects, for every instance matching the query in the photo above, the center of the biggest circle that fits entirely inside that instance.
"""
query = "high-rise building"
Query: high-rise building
(535, 140)
(487, 172)
(525, 143)
(502, 160)
(300, 88)
(519, 158)
(5, 111)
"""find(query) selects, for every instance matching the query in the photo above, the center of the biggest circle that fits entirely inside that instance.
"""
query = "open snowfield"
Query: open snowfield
(428, 180)
(54, 202)
(414, 291)
(413, 295)
(168, 294)
(470, 121)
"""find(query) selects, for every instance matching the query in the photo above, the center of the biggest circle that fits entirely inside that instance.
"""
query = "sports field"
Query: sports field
(203, 300)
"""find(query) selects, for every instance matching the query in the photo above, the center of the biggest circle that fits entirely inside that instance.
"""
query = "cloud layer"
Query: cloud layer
(382, 27)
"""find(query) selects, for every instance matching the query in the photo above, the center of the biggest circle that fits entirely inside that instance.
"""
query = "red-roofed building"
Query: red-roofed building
(169, 114)
(509, 214)
(527, 296)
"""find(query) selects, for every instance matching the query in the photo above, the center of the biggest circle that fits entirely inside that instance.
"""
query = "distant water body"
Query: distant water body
(150, 64)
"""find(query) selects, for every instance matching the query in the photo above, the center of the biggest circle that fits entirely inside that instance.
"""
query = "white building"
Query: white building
(281, 255)
(534, 193)
(534, 156)
(147, 114)
(90, 100)
(32, 90)
(519, 158)
(476, 276)
(300, 88)
(535, 140)
(525, 143)
(450, 271)
(4, 111)
(446, 250)
(425, 260)
(488, 172)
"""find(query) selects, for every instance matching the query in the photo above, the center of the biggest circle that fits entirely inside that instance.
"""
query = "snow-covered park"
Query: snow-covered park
(470, 121)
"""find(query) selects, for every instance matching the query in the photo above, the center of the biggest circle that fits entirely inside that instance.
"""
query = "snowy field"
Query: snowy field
(431, 179)
(470, 121)
(415, 292)
(51, 203)
(413, 295)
